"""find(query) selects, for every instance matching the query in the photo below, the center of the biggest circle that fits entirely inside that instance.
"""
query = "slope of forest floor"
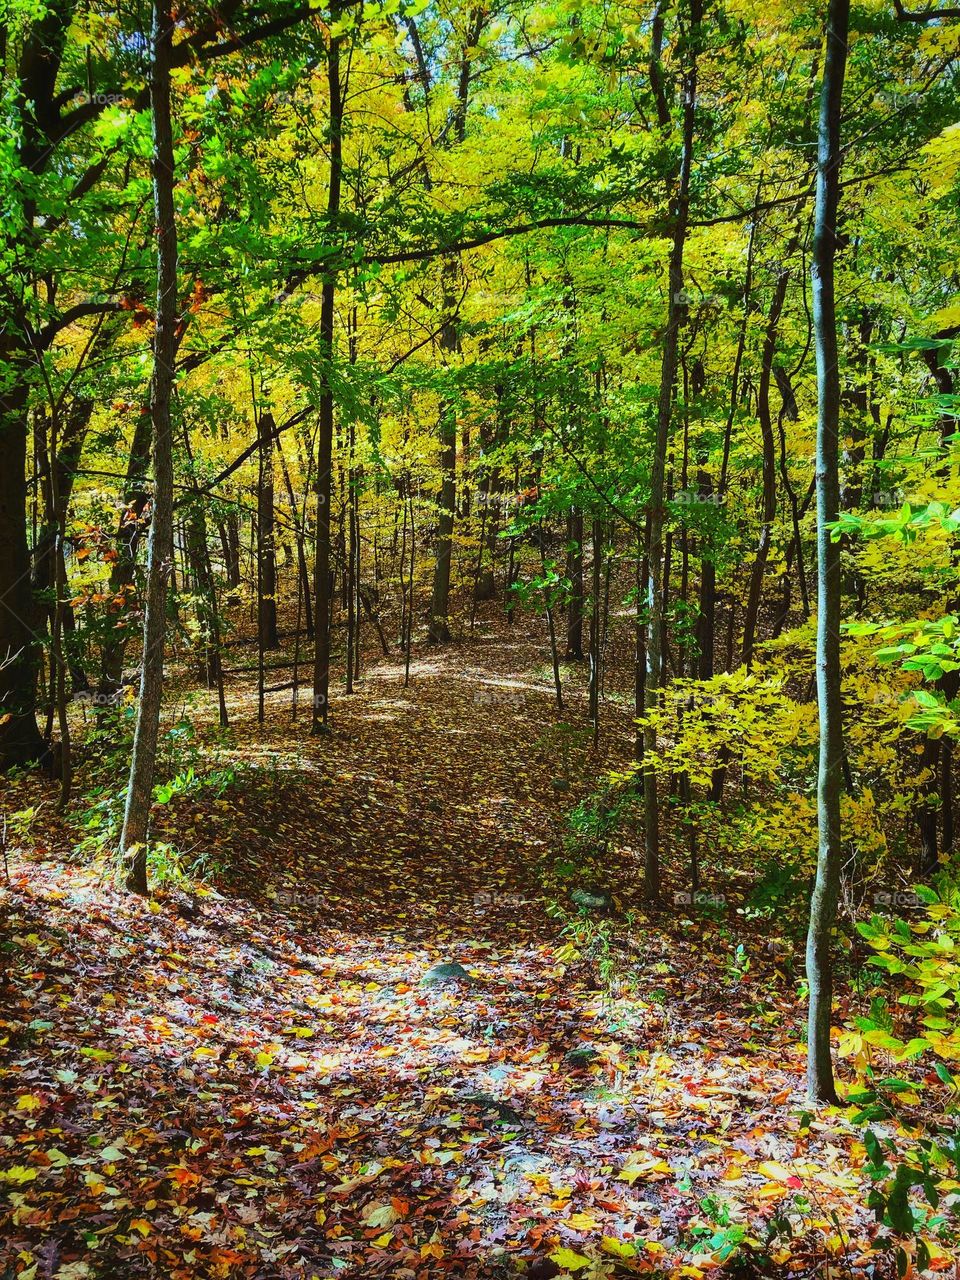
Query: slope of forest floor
(262, 1075)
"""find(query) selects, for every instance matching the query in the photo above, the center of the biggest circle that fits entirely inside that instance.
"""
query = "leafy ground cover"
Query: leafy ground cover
(365, 1046)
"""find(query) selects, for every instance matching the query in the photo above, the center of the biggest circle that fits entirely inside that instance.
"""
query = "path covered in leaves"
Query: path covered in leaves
(270, 1077)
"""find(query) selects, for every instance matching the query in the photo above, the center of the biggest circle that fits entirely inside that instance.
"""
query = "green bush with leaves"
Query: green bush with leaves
(916, 1193)
(923, 958)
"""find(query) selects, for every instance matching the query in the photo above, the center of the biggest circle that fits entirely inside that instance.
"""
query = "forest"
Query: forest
(479, 639)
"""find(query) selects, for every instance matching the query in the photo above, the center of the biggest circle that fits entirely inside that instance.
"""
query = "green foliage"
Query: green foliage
(922, 957)
(915, 1192)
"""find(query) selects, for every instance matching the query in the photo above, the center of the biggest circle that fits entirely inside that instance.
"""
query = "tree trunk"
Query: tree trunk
(266, 538)
(574, 573)
(231, 554)
(20, 739)
(322, 585)
(593, 689)
(768, 511)
(680, 212)
(299, 534)
(707, 595)
(133, 841)
(411, 594)
(40, 47)
(823, 905)
(439, 625)
(129, 533)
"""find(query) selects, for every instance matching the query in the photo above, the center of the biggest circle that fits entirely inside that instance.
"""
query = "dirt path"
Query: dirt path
(427, 809)
(264, 1080)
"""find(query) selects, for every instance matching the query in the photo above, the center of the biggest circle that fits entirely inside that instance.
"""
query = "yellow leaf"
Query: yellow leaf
(775, 1172)
(582, 1222)
(569, 1260)
(644, 1164)
(851, 1042)
(619, 1248)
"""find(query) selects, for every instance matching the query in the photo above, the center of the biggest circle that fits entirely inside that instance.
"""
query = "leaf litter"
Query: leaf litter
(364, 1049)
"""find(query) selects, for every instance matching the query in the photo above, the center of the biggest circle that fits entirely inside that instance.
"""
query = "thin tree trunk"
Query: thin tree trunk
(302, 569)
(266, 538)
(551, 626)
(439, 624)
(680, 210)
(231, 552)
(789, 411)
(208, 612)
(512, 567)
(594, 674)
(946, 794)
(574, 571)
(352, 549)
(823, 905)
(408, 640)
(129, 534)
(57, 656)
(350, 577)
(768, 511)
(640, 645)
(478, 568)
(322, 585)
(133, 841)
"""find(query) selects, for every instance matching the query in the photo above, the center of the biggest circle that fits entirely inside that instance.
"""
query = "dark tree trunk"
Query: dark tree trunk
(935, 796)
(823, 905)
(322, 583)
(298, 530)
(129, 535)
(574, 572)
(439, 621)
(595, 645)
(231, 550)
(20, 739)
(41, 51)
(676, 312)
(768, 511)
(266, 538)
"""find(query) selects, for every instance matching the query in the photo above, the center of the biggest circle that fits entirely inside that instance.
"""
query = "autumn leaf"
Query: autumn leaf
(569, 1260)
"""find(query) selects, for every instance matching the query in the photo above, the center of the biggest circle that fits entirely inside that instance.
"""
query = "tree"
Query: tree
(676, 311)
(823, 905)
(133, 840)
(328, 298)
(439, 624)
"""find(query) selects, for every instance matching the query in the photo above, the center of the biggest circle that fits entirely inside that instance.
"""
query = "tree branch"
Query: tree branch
(923, 15)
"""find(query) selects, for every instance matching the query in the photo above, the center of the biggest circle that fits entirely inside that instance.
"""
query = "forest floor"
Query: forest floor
(258, 1075)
